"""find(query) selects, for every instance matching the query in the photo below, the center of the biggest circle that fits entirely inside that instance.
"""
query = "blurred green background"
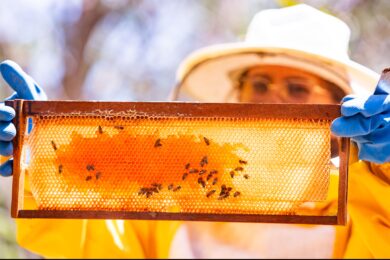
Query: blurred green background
(129, 49)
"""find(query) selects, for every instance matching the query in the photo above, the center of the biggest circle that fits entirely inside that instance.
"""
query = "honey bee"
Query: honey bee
(232, 173)
(119, 127)
(54, 145)
(213, 172)
(170, 186)
(148, 194)
(223, 196)
(236, 194)
(194, 171)
(157, 143)
(201, 172)
(90, 167)
(207, 141)
(60, 168)
(215, 181)
(209, 177)
(242, 162)
(142, 191)
(239, 169)
(229, 189)
(202, 182)
(246, 176)
(204, 161)
(98, 174)
(154, 189)
(187, 166)
(88, 178)
(210, 193)
(184, 176)
(177, 188)
(157, 185)
(100, 130)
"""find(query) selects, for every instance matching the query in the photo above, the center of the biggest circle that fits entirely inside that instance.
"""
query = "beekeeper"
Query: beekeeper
(290, 55)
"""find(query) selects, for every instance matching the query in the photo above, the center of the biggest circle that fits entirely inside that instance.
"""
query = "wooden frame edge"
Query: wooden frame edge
(188, 109)
(343, 181)
(17, 179)
(100, 214)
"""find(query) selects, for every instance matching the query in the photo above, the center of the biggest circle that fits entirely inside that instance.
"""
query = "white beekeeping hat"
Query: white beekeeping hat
(299, 36)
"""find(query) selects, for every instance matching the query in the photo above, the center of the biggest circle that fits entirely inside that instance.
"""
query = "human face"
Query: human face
(278, 84)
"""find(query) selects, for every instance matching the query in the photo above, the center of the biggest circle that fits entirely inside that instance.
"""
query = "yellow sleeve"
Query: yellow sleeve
(96, 238)
(369, 212)
(69, 238)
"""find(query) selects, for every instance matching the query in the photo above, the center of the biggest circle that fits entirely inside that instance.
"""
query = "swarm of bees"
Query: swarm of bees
(205, 177)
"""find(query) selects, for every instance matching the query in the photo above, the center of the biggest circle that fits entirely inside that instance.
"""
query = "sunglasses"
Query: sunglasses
(294, 87)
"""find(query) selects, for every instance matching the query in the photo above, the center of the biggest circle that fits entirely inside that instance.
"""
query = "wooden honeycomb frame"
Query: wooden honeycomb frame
(279, 111)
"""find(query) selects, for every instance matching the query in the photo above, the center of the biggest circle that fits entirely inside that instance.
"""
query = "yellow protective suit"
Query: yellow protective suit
(367, 234)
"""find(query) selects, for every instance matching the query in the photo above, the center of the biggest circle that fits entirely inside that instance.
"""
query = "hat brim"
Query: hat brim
(204, 75)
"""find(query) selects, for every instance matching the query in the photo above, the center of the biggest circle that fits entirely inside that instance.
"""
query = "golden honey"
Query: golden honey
(168, 164)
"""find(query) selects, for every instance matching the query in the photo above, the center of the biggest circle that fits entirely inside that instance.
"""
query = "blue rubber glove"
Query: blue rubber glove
(25, 88)
(366, 120)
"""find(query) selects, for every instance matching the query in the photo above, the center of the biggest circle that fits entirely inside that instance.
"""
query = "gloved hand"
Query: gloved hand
(25, 88)
(366, 120)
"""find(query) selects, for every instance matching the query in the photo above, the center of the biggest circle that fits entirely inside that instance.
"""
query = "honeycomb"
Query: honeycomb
(174, 164)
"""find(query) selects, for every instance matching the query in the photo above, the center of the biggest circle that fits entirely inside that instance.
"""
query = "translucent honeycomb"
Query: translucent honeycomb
(174, 164)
